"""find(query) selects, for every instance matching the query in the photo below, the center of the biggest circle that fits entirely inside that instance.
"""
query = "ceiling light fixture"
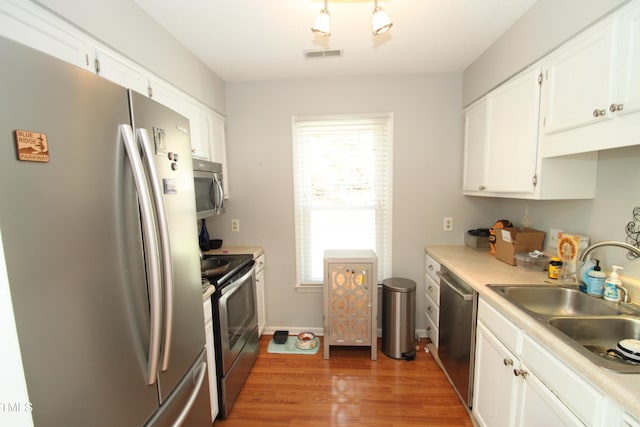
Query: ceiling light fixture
(323, 22)
(380, 20)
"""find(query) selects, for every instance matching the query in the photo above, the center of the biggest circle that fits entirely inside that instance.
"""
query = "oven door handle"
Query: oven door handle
(454, 288)
(236, 283)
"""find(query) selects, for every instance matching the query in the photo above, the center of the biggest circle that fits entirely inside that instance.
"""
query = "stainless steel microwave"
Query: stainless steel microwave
(209, 188)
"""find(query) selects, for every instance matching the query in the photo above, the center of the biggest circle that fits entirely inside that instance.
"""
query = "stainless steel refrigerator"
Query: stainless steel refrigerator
(98, 221)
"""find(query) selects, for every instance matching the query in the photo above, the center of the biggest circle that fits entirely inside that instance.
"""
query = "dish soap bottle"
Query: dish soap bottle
(595, 281)
(611, 292)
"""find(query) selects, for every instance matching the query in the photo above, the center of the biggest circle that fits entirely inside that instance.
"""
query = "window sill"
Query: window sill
(316, 288)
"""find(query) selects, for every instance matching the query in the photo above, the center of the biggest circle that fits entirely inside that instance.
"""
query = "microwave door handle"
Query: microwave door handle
(150, 244)
(165, 244)
(220, 205)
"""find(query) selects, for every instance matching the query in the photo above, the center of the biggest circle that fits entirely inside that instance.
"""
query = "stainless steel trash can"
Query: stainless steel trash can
(399, 318)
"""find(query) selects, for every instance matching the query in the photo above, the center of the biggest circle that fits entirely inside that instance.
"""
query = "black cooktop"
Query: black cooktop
(237, 263)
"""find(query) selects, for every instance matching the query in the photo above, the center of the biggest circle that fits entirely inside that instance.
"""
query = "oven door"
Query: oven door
(238, 317)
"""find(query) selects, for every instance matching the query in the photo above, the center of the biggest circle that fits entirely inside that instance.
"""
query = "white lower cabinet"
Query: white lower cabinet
(211, 358)
(262, 318)
(517, 383)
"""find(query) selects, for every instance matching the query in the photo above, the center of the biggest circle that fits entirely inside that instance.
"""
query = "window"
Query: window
(343, 189)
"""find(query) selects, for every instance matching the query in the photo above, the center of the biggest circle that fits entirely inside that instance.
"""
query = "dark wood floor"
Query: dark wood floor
(348, 389)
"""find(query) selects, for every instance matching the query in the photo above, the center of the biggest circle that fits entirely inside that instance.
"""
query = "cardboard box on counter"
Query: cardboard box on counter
(510, 241)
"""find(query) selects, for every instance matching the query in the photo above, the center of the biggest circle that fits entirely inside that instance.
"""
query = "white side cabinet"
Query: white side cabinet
(262, 320)
(517, 383)
(211, 358)
(350, 299)
(432, 299)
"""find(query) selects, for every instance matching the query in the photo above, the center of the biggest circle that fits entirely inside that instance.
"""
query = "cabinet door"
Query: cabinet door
(29, 25)
(218, 146)
(475, 139)
(579, 80)
(199, 127)
(512, 134)
(495, 389)
(118, 70)
(260, 301)
(540, 407)
(211, 359)
(629, 83)
(350, 304)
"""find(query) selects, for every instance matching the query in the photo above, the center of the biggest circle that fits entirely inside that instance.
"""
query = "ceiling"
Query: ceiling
(246, 40)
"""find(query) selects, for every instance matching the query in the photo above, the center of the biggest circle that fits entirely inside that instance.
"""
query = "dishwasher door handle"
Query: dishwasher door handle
(466, 297)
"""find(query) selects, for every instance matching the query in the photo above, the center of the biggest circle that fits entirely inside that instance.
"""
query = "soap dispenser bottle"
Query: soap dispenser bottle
(595, 280)
(611, 291)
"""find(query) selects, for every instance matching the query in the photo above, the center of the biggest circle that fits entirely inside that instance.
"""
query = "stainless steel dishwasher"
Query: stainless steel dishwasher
(456, 346)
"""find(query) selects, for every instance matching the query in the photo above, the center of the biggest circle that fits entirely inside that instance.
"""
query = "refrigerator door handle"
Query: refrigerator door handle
(150, 244)
(165, 244)
(187, 407)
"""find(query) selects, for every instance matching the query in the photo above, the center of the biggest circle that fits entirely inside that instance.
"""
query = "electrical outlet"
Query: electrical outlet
(235, 225)
(447, 224)
(553, 237)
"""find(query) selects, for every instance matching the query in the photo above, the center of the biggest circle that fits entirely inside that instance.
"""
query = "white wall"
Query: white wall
(126, 28)
(543, 28)
(428, 134)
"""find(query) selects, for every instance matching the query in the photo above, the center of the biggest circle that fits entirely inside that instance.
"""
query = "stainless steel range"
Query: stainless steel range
(235, 323)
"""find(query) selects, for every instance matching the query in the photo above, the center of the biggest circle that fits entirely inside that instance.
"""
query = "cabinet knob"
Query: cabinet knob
(598, 113)
(430, 267)
(193, 151)
(616, 107)
(482, 187)
(507, 362)
(520, 373)
(430, 288)
(428, 328)
(430, 309)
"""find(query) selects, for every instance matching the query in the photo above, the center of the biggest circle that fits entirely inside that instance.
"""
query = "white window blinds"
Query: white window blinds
(343, 189)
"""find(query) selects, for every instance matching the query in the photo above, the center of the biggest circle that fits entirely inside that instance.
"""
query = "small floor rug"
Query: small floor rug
(290, 347)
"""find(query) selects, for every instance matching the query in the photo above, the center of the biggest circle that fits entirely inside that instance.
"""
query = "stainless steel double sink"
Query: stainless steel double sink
(590, 325)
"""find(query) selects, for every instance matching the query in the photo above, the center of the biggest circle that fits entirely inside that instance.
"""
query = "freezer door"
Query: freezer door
(166, 134)
(73, 245)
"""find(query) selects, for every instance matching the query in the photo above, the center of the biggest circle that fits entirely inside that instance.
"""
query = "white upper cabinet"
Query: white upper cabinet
(475, 141)
(117, 69)
(591, 92)
(29, 25)
(218, 145)
(512, 132)
(628, 100)
(579, 81)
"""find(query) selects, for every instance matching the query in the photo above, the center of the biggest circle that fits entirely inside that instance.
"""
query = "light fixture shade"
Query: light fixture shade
(380, 21)
(322, 25)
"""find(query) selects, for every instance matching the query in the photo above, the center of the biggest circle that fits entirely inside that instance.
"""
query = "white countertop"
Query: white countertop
(478, 269)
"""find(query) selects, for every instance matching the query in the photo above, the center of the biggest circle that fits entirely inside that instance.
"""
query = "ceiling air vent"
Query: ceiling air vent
(322, 53)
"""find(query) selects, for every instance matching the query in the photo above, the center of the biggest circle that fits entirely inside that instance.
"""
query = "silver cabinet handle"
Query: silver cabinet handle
(150, 245)
(165, 244)
(616, 107)
(520, 373)
(507, 362)
(598, 113)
